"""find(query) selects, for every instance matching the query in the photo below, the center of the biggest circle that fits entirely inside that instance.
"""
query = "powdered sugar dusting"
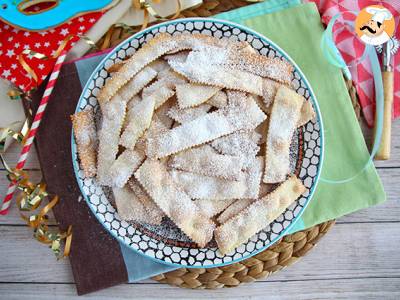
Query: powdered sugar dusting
(188, 114)
(238, 143)
(284, 117)
(203, 160)
(247, 116)
(193, 111)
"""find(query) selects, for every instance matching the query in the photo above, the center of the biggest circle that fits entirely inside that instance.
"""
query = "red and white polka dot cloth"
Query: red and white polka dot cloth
(13, 41)
(352, 48)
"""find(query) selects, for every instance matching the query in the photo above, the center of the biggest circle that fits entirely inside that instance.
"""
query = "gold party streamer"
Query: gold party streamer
(29, 200)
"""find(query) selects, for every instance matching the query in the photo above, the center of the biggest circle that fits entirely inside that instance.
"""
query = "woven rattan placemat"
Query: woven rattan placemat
(286, 251)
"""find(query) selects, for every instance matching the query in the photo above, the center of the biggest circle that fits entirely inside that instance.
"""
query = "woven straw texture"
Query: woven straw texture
(286, 251)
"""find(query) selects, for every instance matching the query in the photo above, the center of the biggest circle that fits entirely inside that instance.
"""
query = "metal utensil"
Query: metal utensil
(388, 50)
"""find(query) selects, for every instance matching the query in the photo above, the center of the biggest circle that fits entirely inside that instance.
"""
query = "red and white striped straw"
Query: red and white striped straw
(32, 131)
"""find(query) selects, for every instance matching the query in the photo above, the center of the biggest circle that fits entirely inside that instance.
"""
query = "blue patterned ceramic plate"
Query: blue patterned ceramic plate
(165, 242)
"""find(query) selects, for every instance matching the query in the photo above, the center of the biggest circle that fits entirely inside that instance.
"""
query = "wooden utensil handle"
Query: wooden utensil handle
(384, 149)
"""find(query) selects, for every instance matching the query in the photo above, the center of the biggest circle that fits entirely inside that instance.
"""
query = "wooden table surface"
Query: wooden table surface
(358, 258)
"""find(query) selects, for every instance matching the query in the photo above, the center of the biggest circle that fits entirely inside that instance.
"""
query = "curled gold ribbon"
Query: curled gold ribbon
(14, 94)
(31, 195)
(6, 132)
(29, 52)
(149, 10)
(29, 200)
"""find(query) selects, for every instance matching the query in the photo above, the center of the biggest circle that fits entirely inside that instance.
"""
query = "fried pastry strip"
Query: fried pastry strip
(115, 67)
(174, 202)
(137, 83)
(113, 121)
(270, 87)
(190, 94)
(205, 187)
(211, 207)
(307, 113)
(257, 215)
(159, 96)
(130, 111)
(219, 100)
(200, 72)
(179, 56)
(156, 127)
(140, 121)
(124, 166)
(260, 102)
(203, 160)
(282, 125)
(188, 114)
(238, 143)
(154, 213)
(170, 77)
(162, 112)
(86, 140)
(273, 68)
(159, 65)
(254, 171)
(155, 48)
(262, 130)
(128, 205)
(233, 209)
(226, 120)
(113, 118)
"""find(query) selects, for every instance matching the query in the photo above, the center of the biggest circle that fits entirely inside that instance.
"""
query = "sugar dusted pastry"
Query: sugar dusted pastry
(188, 114)
(219, 100)
(204, 160)
(159, 92)
(282, 125)
(206, 128)
(307, 113)
(141, 116)
(174, 202)
(212, 207)
(257, 215)
(155, 48)
(137, 83)
(197, 69)
(154, 213)
(206, 187)
(179, 56)
(157, 127)
(113, 117)
(190, 94)
(182, 134)
(124, 166)
(270, 87)
(86, 140)
(162, 112)
(130, 112)
(128, 205)
(159, 65)
(238, 144)
(254, 171)
(199, 186)
(273, 68)
(234, 209)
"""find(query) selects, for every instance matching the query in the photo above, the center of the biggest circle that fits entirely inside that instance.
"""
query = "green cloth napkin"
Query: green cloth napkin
(298, 30)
